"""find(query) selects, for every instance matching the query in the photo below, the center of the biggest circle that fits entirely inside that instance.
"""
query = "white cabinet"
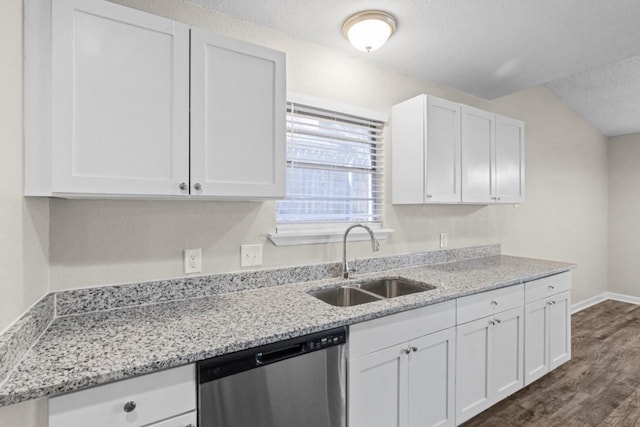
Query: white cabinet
(492, 158)
(167, 395)
(444, 152)
(107, 107)
(406, 383)
(547, 325)
(489, 354)
(237, 118)
(425, 151)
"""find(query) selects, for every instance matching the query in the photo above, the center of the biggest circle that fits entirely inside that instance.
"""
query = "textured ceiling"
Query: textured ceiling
(489, 48)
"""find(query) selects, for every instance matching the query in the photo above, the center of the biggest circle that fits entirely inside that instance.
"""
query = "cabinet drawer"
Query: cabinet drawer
(186, 420)
(156, 396)
(384, 332)
(547, 286)
(476, 306)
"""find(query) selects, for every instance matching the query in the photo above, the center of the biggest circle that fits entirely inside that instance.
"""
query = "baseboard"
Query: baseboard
(601, 298)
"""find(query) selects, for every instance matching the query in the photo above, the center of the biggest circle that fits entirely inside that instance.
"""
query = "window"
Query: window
(334, 167)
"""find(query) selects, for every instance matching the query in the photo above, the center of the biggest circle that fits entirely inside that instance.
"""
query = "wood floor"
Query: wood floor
(600, 386)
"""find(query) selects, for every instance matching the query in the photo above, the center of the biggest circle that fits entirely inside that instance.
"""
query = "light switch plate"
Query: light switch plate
(192, 261)
(250, 255)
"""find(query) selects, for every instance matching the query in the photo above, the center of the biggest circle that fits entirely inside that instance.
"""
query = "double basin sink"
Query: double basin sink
(369, 291)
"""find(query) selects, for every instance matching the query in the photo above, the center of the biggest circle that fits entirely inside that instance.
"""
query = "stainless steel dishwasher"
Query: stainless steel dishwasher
(292, 383)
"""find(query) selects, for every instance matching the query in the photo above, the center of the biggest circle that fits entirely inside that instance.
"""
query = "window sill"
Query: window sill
(317, 236)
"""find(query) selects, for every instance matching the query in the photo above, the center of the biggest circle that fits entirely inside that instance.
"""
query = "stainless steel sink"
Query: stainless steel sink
(370, 291)
(393, 287)
(345, 296)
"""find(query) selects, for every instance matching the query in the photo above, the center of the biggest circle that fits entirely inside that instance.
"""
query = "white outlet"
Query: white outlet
(192, 261)
(443, 240)
(250, 255)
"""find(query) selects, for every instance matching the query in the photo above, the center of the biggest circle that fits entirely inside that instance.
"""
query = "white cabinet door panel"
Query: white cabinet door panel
(120, 100)
(559, 329)
(432, 380)
(442, 162)
(509, 161)
(536, 347)
(474, 355)
(378, 389)
(478, 139)
(508, 347)
(238, 112)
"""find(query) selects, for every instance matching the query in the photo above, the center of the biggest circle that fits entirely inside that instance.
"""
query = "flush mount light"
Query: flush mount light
(369, 30)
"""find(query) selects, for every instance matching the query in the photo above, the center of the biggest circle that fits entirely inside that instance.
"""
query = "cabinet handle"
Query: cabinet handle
(183, 186)
(406, 350)
(553, 303)
(498, 321)
(498, 198)
(494, 303)
(548, 302)
(414, 349)
(197, 186)
(130, 406)
(492, 323)
(429, 196)
(552, 287)
(494, 198)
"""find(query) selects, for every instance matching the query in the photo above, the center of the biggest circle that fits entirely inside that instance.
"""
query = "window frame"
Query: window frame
(294, 233)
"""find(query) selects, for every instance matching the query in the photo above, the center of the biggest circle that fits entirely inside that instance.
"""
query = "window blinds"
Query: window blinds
(334, 167)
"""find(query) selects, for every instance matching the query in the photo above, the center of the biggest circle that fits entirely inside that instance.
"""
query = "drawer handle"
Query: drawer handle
(498, 321)
(414, 349)
(492, 323)
(553, 302)
(130, 406)
(548, 302)
(494, 303)
(406, 350)
(551, 287)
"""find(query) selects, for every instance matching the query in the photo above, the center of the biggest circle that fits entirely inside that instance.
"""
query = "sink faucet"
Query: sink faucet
(375, 246)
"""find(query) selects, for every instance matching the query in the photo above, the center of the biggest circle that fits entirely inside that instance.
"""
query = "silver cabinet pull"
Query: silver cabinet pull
(548, 302)
(429, 196)
(492, 323)
(183, 186)
(553, 303)
(130, 406)
(494, 303)
(197, 186)
(498, 321)
(406, 350)
(551, 287)
(414, 349)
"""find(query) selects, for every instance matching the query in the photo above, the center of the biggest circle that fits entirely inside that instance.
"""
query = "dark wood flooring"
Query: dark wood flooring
(600, 386)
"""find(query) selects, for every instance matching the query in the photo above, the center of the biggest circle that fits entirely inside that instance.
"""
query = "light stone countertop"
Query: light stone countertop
(79, 351)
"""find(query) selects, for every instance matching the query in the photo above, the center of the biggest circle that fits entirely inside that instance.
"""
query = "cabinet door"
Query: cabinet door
(120, 93)
(432, 380)
(559, 329)
(238, 110)
(442, 156)
(478, 139)
(508, 357)
(536, 335)
(378, 388)
(509, 160)
(474, 355)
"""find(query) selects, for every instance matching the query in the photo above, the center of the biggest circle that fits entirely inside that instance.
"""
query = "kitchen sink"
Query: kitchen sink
(369, 291)
(345, 296)
(393, 287)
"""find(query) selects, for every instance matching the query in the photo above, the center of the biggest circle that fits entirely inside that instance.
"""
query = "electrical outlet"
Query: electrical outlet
(250, 255)
(443, 240)
(192, 261)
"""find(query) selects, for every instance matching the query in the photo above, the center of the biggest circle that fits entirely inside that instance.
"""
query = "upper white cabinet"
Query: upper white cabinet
(444, 152)
(107, 107)
(478, 140)
(237, 118)
(426, 151)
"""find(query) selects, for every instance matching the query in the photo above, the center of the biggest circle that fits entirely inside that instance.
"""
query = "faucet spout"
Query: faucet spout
(375, 246)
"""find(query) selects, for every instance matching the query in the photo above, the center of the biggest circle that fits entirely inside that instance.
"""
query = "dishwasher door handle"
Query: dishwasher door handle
(280, 354)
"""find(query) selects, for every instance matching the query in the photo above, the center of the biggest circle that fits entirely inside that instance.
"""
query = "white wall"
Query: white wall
(624, 214)
(24, 225)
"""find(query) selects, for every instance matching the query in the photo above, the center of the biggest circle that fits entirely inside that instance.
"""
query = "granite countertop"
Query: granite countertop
(84, 350)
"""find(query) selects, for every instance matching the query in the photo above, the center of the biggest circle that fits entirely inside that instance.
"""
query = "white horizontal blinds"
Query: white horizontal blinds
(334, 167)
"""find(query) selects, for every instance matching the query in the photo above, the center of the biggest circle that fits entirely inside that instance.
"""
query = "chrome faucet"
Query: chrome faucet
(375, 246)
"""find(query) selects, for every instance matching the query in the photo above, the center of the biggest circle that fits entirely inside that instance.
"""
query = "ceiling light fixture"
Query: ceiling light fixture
(370, 29)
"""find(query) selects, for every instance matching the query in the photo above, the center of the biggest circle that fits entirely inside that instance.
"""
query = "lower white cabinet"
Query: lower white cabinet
(410, 383)
(489, 361)
(162, 399)
(547, 327)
